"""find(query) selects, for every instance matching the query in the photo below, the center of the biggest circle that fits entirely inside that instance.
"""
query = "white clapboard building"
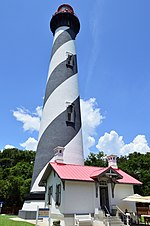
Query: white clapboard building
(77, 189)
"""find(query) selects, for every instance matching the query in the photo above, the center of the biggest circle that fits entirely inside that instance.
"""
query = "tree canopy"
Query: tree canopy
(96, 159)
(138, 166)
(16, 169)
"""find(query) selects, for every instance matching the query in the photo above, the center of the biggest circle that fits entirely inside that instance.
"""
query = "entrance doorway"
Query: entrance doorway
(104, 199)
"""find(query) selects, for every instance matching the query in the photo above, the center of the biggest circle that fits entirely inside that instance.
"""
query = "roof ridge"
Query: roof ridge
(69, 164)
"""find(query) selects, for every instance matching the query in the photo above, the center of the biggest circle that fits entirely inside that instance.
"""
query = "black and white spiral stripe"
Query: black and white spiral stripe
(61, 88)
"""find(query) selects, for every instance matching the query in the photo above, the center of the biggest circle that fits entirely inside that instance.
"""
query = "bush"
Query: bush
(56, 223)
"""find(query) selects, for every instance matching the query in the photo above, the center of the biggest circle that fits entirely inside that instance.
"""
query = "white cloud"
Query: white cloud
(8, 146)
(112, 143)
(39, 111)
(31, 121)
(90, 141)
(91, 119)
(30, 144)
(139, 144)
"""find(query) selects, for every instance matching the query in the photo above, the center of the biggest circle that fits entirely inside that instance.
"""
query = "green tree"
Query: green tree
(16, 167)
(96, 159)
(137, 165)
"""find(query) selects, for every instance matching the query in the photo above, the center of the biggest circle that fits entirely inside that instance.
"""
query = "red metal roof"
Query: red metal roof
(74, 172)
(87, 173)
(127, 179)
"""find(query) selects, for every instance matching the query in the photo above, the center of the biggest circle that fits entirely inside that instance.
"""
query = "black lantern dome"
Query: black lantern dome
(65, 16)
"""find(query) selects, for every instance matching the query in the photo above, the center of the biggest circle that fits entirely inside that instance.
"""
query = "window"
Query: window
(71, 113)
(58, 194)
(50, 193)
(70, 61)
(96, 190)
(103, 183)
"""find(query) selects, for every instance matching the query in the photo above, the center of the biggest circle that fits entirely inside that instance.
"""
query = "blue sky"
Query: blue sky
(113, 50)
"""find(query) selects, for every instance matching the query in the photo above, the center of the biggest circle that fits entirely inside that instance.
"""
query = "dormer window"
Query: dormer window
(71, 113)
(70, 60)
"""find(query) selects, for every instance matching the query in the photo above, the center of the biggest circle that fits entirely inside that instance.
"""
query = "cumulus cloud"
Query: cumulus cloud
(91, 119)
(112, 143)
(8, 146)
(139, 144)
(31, 121)
(30, 144)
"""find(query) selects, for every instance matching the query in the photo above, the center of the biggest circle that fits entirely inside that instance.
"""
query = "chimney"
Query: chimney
(112, 161)
(58, 154)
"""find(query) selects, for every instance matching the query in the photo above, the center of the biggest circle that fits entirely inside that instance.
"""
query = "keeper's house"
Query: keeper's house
(78, 189)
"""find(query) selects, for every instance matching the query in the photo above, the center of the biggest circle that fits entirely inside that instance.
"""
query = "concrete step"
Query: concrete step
(113, 221)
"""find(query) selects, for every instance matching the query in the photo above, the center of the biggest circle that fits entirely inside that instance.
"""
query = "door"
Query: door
(104, 200)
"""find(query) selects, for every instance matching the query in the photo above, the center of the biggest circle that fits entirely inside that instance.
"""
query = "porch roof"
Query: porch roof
(88, 173)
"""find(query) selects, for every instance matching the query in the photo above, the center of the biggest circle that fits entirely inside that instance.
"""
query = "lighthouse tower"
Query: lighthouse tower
(60, 127)
(61, 120)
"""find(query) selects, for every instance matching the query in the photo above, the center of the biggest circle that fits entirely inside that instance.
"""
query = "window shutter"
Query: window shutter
(58, 194)
(50, 193)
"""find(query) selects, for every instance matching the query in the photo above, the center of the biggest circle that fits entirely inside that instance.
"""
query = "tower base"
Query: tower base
(29, 209)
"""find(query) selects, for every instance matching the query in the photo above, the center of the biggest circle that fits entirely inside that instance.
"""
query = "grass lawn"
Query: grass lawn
(5, 221)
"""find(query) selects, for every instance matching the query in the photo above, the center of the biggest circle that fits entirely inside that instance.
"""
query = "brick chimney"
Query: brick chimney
(112, 161)
(58, 153)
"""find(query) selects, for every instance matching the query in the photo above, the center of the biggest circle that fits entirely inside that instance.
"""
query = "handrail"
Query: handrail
(125, 216)
(120, 210)
(107, 219)
(106, 209)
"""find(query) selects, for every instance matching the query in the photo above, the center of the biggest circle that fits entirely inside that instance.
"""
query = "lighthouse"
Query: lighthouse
(60, 127)
(61, 119)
